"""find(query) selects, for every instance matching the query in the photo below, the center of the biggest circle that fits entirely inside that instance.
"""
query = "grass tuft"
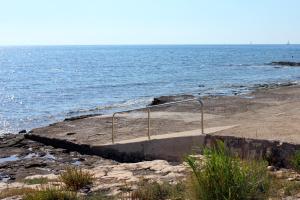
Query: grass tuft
(224, 177)
(75, 179)
(296, 160)
(50, 193)
(35, 181)
(11, 192)
(155, 191)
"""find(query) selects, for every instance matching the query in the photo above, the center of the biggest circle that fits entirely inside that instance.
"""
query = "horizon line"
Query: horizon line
(158, 44)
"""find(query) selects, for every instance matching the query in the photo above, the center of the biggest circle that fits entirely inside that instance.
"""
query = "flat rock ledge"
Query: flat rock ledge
(286, 63)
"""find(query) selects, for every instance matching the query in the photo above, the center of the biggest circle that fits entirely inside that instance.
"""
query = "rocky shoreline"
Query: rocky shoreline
(33, 162)
(21, 158)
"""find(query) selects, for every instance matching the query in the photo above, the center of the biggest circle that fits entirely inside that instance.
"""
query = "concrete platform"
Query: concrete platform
(265, 115)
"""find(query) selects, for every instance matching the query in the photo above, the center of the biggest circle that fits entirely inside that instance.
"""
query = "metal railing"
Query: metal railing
(149, 110)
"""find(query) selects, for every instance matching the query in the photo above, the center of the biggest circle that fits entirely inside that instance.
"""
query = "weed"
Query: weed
(36, 181)
(10, 192)
(224, 177)
(75, 179)
(296, 160)
(155, 191)
(50, 193)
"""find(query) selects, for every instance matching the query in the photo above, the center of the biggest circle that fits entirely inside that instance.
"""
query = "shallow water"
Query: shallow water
(43, 84)
(9, 159)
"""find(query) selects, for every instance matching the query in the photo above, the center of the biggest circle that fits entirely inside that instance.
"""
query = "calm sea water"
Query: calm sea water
(43, 84)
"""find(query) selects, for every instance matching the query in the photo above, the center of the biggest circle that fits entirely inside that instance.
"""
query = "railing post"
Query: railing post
(202, 115)
(113, 129)
(149, 124)
(149, 110)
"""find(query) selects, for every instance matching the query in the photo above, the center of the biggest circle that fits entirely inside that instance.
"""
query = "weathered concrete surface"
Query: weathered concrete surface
(264, 114)
(267, 114)
(175, 148)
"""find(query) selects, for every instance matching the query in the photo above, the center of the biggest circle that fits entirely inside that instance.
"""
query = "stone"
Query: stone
(271, 168)
(286, 63)
(279, 174)
(22, 131)
(168, 99)
(47, 176)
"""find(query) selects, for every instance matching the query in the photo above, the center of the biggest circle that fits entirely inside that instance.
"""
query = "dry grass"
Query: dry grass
(281, 188)
(10, 192)
(156, 191)
(50, 193)
(35, 181)
(75, 179)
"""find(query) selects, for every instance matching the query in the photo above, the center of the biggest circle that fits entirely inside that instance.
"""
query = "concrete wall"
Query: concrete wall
(174, 149)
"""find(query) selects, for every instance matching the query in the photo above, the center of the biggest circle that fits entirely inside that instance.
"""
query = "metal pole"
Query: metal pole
(198, 99)
(149, 124)
(113, 129)
(202, 116)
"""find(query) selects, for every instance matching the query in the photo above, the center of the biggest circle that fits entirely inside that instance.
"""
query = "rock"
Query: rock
(13, 198)
(81, 117)
(70, 133)
(168, 99)
(279, 174)
(35, 164)
(47, 176)
(22, 131)
(291, 179)
(271, 168)
(286, 63)
(85, 190)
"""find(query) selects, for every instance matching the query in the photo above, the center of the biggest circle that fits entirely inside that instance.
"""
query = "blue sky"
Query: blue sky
(50, 22)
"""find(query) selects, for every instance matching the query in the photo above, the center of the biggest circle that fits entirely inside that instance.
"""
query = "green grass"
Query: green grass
(224, 177)
(36, 181)
(296, 160)
(50, 193)
(75, 179)
(155, 191)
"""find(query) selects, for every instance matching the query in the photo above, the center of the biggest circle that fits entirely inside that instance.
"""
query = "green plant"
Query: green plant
(224, 177)
(296, 160)
(155, 191)
(75, 179)
(50, 193)
(36, 181)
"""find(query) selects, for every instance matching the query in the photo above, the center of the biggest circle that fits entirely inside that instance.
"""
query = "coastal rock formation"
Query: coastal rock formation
(286, 63)
(167, 99)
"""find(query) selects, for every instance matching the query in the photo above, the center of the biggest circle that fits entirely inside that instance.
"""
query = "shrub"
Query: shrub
(50, 193)
(156, 191)
(75, 179)
(224, 177)
(296, 160)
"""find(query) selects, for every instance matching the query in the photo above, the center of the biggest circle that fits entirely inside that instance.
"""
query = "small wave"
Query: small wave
(133, 103)
(244, 65)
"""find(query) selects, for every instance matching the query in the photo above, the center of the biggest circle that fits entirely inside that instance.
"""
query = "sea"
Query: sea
(40, 85)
